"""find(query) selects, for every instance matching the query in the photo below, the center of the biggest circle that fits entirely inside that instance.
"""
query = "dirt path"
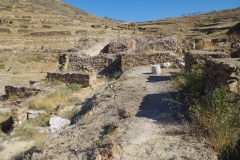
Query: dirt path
(128, 120)
(14, 146)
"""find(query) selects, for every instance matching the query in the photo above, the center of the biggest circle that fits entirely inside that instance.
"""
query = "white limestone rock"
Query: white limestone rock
(57, 123)
(156, 69)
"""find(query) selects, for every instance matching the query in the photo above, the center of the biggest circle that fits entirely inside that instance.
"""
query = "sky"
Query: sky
(147, 10)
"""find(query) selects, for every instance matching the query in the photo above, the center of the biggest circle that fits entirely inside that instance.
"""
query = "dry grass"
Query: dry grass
(215, 115)
(53, 99)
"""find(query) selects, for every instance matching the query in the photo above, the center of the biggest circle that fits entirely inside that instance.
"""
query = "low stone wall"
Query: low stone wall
(196, 58)
(222, 72)
(20, 92)
(73, 78)
(101, 63)
(129, 61)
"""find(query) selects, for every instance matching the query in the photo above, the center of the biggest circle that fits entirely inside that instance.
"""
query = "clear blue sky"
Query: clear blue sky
(146, 10)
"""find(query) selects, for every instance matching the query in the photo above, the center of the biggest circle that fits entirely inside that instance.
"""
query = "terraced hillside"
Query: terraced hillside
(209, 25)
(46, 26)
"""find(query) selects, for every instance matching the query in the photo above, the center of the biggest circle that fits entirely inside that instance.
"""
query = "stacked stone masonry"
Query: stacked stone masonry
(100, 63)
(19, 114)
(129, 61)
(114, 62)
(63, 61)
(222, 72)
(73, 78)
(20, 92)
(196, 58)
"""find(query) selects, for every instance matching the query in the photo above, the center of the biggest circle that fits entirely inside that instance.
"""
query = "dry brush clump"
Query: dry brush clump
(215, 115)
(60, 96)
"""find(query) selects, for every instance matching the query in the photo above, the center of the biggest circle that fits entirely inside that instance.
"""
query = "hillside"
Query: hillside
(33, 25)
(209, 25)
(59, 61)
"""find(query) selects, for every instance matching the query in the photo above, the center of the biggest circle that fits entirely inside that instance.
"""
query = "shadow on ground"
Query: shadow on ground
(6, 126)
(158, 78)
(156, 107)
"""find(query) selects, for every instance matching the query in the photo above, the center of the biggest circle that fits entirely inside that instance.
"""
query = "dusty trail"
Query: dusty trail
(149, 130)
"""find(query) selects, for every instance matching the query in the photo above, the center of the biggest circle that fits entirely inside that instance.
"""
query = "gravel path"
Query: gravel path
(128, 120)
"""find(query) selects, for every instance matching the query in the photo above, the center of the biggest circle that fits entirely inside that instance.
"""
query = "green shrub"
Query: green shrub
(117, 75)
(201, 24)
(84, 54)
(74, 87)
(2, 66)
(218, 113)
(191, 82)
(215, 115)
(9, 6)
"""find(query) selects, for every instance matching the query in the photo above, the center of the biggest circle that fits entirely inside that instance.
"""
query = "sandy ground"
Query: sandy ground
(14, 146)
(148, 128)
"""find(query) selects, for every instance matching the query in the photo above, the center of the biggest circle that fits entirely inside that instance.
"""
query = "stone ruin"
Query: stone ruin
(19, 113)
(84, 80)
(63, 61)
(220, 72)
(20, 92)
(197, 58)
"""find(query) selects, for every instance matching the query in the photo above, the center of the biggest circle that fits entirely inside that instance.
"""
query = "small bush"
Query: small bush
(84, 54)
(2, 66)
(9, 6)
(201, 24)
(74, 87)
(218, 115)
(215, 115)
(191, 82)
(117, 75)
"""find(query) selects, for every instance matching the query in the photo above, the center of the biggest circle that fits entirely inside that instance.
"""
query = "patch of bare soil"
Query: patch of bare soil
(13, 146)
(128, 119)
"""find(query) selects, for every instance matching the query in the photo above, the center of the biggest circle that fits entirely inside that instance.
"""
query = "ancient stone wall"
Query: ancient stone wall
(132, 60)
(50, 33)
(196, 58)
(138, 45)
(20, 92)
(63, 61)
(222, 72)
(73, 78)
(101, 63)
(19, 114)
